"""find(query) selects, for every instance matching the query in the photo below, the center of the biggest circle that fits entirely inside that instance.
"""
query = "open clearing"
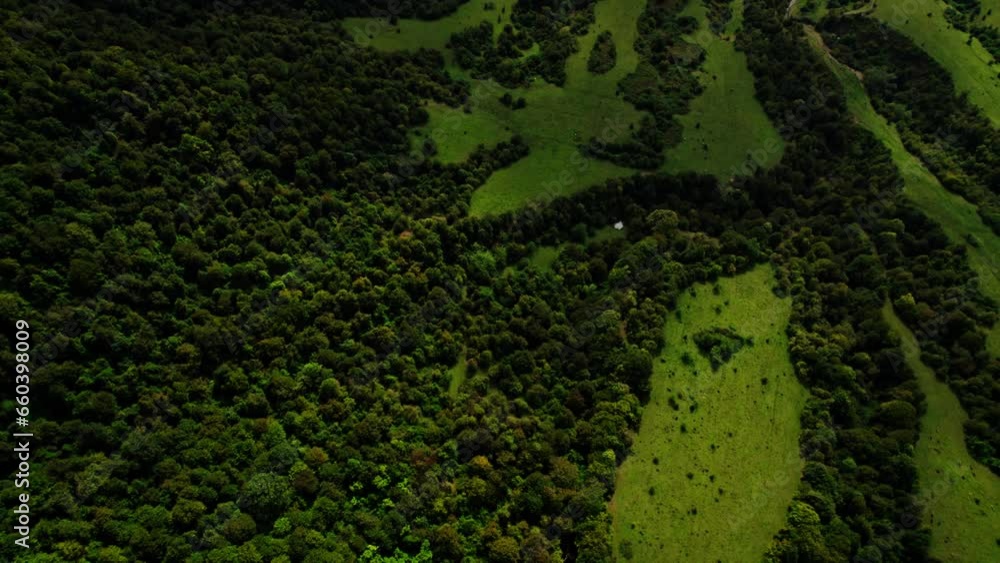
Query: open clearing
(990, 13)
(969, 64)
(555, 121)
(716, 461)
(456, 376)
(961, 496)
(957, 217)
(413, 34)
(811, 9)
(726, 122)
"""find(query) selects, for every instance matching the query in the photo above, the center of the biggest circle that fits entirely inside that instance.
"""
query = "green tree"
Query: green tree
(266, 495)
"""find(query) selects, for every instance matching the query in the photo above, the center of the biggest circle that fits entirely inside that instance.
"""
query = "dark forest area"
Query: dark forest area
(247, 293)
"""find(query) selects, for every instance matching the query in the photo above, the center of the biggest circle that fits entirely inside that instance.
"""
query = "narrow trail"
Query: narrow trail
(863, 10)
(811, 31)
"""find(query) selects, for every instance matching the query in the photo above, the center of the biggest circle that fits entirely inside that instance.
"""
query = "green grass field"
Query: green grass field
(557, 120)
(813, 10)
(956, 216)
(711, 480)
(736, 20)
(554, 123)
(961, 496)
(543, 257)
(990, 12)
(456, 376)
(969, 65)
(413, 33)
(726, 122)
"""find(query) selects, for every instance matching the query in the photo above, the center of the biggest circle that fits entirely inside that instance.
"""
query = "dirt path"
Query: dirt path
(791, 6)
(811, 31)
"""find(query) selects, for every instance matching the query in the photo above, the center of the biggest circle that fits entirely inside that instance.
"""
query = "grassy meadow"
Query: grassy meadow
(456, 376)
(811, 9)
(726, 122)
(961, 496)
(544, 257)
(726, 118)
(555, 121)
(412, 33)
(716, 461)
(990, 13)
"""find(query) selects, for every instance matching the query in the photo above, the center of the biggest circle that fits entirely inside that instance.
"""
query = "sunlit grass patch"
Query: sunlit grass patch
(716, 461)
(726, 126)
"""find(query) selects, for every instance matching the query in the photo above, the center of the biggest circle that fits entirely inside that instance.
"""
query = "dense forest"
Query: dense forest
(247, 290)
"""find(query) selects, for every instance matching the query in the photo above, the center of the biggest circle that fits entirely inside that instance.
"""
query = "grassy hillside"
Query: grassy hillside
(736, 19)
(456, 376)
(993, 17)
(413, 33)
(961, 497)
(726, 122)
(968, 63)
(724, 126)
(555, 121)
(716, 462)
(957, 217)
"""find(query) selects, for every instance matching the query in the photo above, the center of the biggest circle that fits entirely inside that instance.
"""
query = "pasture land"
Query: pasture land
(555, 121)
(726, 127)
(716, 461)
